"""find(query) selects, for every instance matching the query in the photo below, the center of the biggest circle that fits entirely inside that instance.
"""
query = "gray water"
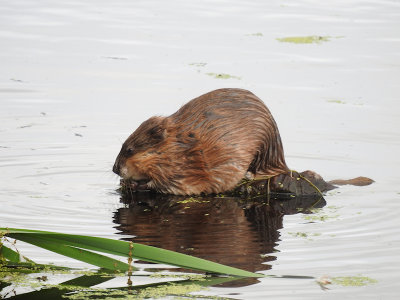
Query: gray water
(77, 77)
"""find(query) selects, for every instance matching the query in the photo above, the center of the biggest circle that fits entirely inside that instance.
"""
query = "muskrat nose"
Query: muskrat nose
(116, 168)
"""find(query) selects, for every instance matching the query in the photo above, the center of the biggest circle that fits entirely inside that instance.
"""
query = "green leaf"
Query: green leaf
(89, 257)
(9, 254)
(147, 253)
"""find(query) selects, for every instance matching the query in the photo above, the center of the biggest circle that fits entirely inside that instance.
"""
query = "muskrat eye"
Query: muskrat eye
(129, 151)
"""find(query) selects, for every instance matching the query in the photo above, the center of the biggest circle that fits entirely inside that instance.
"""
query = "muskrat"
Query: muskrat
(207, 146)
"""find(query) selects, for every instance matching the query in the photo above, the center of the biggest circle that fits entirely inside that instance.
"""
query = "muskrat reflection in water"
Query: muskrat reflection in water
(232, 231)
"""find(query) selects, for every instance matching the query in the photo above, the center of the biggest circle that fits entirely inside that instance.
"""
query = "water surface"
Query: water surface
(77, 77)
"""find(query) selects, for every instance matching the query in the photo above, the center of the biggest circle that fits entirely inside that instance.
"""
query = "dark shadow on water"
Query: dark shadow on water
(241, 233)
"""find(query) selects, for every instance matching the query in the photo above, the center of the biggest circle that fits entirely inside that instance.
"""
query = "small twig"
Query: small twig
(130, 259)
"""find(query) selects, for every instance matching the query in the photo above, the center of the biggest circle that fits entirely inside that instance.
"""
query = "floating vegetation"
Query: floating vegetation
(18, 278)
(337, 101)
(343, 102)
(319, 217)
(304, 235)
(322, 215)
(334, 207)
(84, 287)
(199, 64)
(115, 57)
(299, 234)
(223, 76)
(157, 292)
(255, 34)
(333, 193)
(312, 39)
(353, 280)
(188, 276)
(169, 289)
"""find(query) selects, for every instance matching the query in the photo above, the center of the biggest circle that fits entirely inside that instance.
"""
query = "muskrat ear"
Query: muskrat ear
(158, 132)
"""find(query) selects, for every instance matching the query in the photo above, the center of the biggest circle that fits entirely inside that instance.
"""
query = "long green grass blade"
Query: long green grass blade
(122, 248)
(78, 254)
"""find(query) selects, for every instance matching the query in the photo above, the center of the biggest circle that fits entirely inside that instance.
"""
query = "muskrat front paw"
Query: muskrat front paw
(134, 186)
(143, 187)
(129, 184)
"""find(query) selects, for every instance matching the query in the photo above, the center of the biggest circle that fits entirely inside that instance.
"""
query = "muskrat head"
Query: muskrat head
(138, 153)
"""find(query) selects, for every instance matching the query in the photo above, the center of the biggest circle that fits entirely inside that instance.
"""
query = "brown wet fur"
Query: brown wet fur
(207, 146)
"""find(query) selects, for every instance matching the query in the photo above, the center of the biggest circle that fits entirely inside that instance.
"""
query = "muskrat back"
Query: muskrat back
(207, 146)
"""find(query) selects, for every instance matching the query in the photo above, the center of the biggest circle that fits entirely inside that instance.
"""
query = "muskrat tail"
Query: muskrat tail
(270, 158)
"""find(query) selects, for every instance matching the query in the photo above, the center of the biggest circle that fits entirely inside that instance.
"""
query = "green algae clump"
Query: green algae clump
(199, 64)
(353, 280)
(311, 39)
(255, 34)
(223, 76)
(337, 101)
(319, 215)
(158, 292)
(169, 289)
